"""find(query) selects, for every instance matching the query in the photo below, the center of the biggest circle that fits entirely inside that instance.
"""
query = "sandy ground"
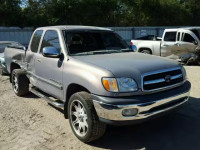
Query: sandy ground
(30, 123)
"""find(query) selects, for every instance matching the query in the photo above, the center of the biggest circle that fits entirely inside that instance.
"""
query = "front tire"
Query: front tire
(198, 61)
(83, 119)
(20, 82)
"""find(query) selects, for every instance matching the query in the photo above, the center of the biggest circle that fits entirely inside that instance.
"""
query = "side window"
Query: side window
(50, 40)
(170, 36)
(188, 38)
(36, 40)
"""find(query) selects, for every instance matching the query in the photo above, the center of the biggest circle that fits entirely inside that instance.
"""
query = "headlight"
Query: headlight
(126, 85)
(120, 84)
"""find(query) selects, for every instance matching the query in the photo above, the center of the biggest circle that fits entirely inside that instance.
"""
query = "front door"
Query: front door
(49, 70)
(168, 43)
(30, 56)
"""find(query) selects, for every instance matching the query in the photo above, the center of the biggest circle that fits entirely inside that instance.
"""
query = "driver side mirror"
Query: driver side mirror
(51, 52)
(195, 43)
(24, 48)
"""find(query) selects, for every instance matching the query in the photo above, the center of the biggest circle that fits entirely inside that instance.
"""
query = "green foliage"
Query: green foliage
(10, 12)
(100, 12)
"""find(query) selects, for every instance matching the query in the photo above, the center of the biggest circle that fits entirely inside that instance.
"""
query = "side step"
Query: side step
(48, 99)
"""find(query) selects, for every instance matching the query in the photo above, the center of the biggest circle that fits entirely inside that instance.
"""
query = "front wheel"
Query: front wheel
(83, 119)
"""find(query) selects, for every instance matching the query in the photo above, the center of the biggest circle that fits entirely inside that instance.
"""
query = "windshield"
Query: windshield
(94, 42)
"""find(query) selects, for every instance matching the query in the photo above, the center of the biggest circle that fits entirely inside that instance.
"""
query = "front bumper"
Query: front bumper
(156, 105)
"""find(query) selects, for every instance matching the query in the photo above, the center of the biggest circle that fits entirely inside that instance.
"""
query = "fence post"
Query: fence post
(157, 31)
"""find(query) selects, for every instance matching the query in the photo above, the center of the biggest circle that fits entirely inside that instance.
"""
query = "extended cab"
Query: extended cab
(182, 44)
(96, 78)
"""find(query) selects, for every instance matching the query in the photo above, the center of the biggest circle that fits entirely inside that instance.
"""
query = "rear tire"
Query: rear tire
(1, 71)
(198, 61)
(83, 118)
(20, 82)
(146, 51)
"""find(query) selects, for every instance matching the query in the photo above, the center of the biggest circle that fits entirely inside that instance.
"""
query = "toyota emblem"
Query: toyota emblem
(167, 78)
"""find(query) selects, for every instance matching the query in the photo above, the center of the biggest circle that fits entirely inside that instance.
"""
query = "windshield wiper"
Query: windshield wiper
(103, 52)
(83, 53)
(97, 52)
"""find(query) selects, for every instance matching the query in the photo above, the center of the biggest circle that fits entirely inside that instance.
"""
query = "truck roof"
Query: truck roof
(74, 27)
(182, 28)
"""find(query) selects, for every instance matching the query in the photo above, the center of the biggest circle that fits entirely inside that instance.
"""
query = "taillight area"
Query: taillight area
(131, 43)
(133, 46)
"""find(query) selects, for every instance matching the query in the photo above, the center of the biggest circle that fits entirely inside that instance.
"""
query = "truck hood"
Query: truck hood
(130, 64)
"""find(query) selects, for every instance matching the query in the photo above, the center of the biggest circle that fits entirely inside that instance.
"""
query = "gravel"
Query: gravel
(30, 123)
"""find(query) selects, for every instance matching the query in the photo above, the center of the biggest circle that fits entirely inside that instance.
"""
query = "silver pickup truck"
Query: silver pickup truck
(96, 78)
(182, 44)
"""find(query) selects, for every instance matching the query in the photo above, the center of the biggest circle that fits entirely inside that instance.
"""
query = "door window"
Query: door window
(36, 40)
(188, 38)
(51, 40)
(170, 36)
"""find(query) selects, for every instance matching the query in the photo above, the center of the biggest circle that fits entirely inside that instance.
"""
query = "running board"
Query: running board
(48, 99)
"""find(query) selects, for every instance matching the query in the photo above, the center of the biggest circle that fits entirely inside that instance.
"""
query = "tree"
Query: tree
(10, 12)
(99, 12)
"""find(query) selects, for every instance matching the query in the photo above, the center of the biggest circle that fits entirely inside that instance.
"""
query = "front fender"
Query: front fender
(86, 75)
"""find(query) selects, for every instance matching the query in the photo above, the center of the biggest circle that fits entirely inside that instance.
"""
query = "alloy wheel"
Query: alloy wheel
(78, 118)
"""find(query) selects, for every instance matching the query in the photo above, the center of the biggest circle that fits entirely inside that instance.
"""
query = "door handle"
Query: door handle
(165, 45)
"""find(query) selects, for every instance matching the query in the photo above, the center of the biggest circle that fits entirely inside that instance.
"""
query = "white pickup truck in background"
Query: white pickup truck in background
(182, 44)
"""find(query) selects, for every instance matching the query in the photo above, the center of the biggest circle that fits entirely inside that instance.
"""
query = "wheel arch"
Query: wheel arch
(145, 48)
(71, 89)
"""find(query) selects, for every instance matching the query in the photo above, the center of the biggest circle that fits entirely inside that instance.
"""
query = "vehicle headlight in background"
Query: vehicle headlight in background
(119, 84)
(184, 73)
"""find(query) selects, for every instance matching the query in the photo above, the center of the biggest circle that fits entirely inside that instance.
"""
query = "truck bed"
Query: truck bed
(137, 45)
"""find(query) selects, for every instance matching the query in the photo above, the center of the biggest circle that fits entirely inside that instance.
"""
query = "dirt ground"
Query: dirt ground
(30, 123)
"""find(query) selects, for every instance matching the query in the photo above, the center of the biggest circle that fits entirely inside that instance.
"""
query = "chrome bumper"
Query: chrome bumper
(145, 110)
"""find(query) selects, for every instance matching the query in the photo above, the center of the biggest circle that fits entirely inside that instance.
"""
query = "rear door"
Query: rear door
(49, 70)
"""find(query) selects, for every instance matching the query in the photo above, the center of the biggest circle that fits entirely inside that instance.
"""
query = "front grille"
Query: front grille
(162, 79)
